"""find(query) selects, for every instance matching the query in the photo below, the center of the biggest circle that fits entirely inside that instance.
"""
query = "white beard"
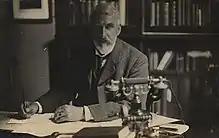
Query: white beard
(104, 49)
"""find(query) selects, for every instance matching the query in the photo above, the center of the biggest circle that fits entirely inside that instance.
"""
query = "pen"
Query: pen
(23, 101)
(25, 104)
(168, 128)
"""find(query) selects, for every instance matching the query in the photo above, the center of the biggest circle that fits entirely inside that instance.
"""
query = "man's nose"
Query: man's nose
(103, 31)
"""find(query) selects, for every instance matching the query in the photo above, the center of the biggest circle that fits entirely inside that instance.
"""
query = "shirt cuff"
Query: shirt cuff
(40, 107)
(87, 114)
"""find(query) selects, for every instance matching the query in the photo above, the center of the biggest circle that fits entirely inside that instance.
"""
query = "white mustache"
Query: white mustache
(104, 41)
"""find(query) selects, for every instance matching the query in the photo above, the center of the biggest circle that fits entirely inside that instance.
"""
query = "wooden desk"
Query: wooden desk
(40, 125)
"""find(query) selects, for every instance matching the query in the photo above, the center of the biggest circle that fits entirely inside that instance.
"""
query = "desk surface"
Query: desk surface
(41, 125)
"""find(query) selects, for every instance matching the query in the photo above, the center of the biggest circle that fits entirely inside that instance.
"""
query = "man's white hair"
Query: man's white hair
(107, 8)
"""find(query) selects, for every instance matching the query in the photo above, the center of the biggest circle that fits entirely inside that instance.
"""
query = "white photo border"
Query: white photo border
(43, 13)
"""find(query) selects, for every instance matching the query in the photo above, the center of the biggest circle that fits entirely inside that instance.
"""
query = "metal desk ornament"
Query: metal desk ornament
(138, 118)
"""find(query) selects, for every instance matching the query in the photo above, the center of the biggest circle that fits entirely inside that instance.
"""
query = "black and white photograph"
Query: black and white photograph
(30, 4)
(109, 69)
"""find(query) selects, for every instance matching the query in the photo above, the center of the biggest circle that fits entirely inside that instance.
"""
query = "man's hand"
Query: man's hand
(68, 113)
(28, 109)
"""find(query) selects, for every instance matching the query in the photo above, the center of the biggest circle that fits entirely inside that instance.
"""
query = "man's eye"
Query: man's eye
(108, 26)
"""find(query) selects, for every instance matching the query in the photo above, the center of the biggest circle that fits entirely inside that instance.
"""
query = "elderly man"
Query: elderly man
(104, 58)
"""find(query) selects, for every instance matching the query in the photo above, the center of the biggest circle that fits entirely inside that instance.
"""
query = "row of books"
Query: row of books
(157, 12)
(178, 13)
(194, 61)
(80, 10)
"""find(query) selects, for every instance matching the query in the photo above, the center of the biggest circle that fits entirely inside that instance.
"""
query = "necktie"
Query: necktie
(95, 76)
(99, 61)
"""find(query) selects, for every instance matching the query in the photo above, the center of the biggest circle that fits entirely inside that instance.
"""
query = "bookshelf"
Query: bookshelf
(179, 17)
(146, 17)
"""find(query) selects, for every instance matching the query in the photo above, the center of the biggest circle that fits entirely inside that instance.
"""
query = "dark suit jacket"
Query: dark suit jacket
(124, 61)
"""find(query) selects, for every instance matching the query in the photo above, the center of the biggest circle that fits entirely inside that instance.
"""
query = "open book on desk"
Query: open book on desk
(41, 125)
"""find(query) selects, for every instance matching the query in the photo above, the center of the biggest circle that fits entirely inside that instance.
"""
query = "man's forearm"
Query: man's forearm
(96, 112)
(87, 114)
(106, 111)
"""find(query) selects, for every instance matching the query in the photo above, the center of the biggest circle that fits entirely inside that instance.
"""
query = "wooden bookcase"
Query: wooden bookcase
(147, 17)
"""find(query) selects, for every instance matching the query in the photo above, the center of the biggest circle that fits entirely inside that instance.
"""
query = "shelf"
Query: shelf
(177, 34)
(173, 34)
(173, 73)
(130, 32)
(182, 30)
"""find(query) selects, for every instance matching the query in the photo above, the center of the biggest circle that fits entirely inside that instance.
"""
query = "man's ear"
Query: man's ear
(119, 29)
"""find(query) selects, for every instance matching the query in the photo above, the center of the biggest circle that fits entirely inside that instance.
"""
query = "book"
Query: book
(103, 132)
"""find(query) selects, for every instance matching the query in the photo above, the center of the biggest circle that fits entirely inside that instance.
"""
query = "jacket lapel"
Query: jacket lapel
(91, 69)
(110, 68)
(108, 71)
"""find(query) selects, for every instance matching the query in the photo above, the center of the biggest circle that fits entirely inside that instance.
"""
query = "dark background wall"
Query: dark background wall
(26, 63)
(4, 53)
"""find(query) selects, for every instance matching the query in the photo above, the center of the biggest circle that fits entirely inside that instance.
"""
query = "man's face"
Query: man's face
(105, 31)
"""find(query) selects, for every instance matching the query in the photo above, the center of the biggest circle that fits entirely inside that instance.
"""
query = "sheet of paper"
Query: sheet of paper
(37, 118)
(41, 125)
(160, 120)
